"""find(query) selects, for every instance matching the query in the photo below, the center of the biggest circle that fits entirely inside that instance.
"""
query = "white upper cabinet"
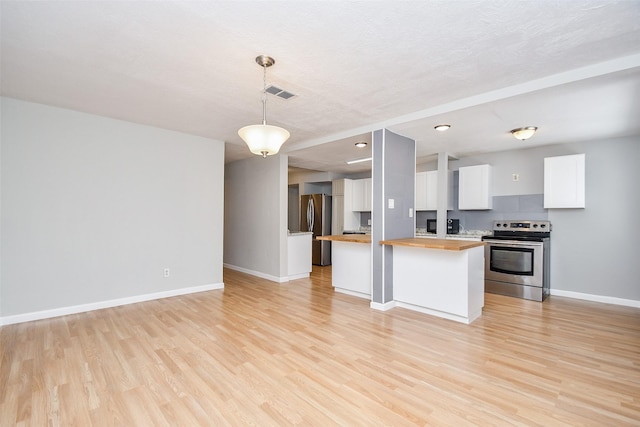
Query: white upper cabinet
(564, 181)
(427, 191)
(474, 187)
(337, 187)
(421, 191)
(343, 216)
(361, 195)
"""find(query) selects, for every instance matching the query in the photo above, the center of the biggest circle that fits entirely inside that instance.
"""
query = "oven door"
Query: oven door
(514, 261)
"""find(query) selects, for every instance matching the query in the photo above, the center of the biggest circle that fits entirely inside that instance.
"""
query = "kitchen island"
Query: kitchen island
(441, 277)
(351, 263)
(299, 254)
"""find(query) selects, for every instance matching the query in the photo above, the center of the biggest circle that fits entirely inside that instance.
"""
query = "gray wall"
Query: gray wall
(394, 160)
(93, 209)
(255, 225)
(593, 250)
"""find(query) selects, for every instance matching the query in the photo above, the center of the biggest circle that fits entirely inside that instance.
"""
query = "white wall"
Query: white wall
(93, 209)
(255, 225)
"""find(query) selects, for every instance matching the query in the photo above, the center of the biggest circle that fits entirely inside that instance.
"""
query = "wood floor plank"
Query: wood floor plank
(297, 353)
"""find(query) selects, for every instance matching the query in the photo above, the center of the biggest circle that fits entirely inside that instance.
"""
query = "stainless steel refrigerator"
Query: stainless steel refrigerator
(315, 216)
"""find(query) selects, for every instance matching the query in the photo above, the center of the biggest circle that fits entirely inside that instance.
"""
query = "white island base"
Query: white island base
(444, 283)
(351, 268)
(351, 264)
(299, 255)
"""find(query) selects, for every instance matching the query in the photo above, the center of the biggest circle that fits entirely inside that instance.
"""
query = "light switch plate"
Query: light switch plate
(391, 203)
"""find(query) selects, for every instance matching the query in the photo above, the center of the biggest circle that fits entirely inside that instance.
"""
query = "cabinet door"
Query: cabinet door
(357, 195)
(564, 179)
(421, 191)
(427, 191)
(337, 187)
(367, 194)
(432, 191)
(474, 187)
(337, 214)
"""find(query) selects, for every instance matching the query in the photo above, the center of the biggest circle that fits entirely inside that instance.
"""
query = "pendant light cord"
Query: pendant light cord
(264, 95)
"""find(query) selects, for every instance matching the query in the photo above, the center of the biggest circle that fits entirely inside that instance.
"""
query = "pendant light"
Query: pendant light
(264, 139)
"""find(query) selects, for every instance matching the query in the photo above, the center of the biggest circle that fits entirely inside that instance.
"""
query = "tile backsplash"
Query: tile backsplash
(519, 207)
(529, 206)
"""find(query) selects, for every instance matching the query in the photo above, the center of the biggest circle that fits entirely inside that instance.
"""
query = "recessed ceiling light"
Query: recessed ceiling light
(524, 133)
(366, 159)
(442, 127)
(361, 144)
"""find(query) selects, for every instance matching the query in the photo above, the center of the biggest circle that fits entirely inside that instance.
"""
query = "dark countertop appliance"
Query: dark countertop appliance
(453, 226)
(517, 259)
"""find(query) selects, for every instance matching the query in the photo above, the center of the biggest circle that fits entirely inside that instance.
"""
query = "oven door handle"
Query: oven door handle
(513, 243)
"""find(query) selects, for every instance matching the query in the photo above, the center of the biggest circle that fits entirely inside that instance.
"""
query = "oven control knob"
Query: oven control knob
(535, 225)
(504, 225)
(543, 225)
(498, 225)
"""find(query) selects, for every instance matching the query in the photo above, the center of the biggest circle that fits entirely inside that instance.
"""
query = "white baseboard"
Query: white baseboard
(257, 273)
(382, 307)
(442, 314)
(63, 311)
(596, 298)
(352, 293)
(298, 276)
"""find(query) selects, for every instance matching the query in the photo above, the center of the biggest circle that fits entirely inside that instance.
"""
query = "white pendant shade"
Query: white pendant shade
(264, 140)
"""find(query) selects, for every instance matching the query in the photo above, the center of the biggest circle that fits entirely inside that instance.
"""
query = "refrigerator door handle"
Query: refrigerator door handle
(310, 214)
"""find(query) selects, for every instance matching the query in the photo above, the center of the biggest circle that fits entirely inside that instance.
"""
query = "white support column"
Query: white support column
(443, 194)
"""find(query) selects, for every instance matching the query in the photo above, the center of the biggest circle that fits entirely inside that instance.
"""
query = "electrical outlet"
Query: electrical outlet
(516, 177)
(410, 212)
(368, 222)
(167, 272)
(392, 203)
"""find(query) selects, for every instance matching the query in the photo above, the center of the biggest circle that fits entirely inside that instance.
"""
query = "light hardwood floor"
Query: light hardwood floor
(266, 354)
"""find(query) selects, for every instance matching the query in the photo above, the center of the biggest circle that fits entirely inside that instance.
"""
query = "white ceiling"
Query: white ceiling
(572, 68)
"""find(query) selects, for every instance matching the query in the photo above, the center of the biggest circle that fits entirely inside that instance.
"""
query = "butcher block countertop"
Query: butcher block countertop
(446, 244)
(352, 238)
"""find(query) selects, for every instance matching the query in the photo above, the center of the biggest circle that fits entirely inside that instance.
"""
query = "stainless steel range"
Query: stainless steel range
(517, 259)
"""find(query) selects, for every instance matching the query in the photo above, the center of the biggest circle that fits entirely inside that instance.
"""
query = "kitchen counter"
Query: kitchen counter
(446, 244)
(299, 233)
(351, 263)
(440, 277)
(463, 235)
(353, 238)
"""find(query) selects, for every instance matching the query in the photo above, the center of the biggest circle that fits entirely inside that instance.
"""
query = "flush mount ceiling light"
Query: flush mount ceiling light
(442, 127)
(263, 139)
(361, 144)
(524, 133)
(366, 159)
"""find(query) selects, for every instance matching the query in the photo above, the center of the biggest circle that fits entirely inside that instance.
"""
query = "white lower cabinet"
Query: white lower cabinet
(299, 255)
